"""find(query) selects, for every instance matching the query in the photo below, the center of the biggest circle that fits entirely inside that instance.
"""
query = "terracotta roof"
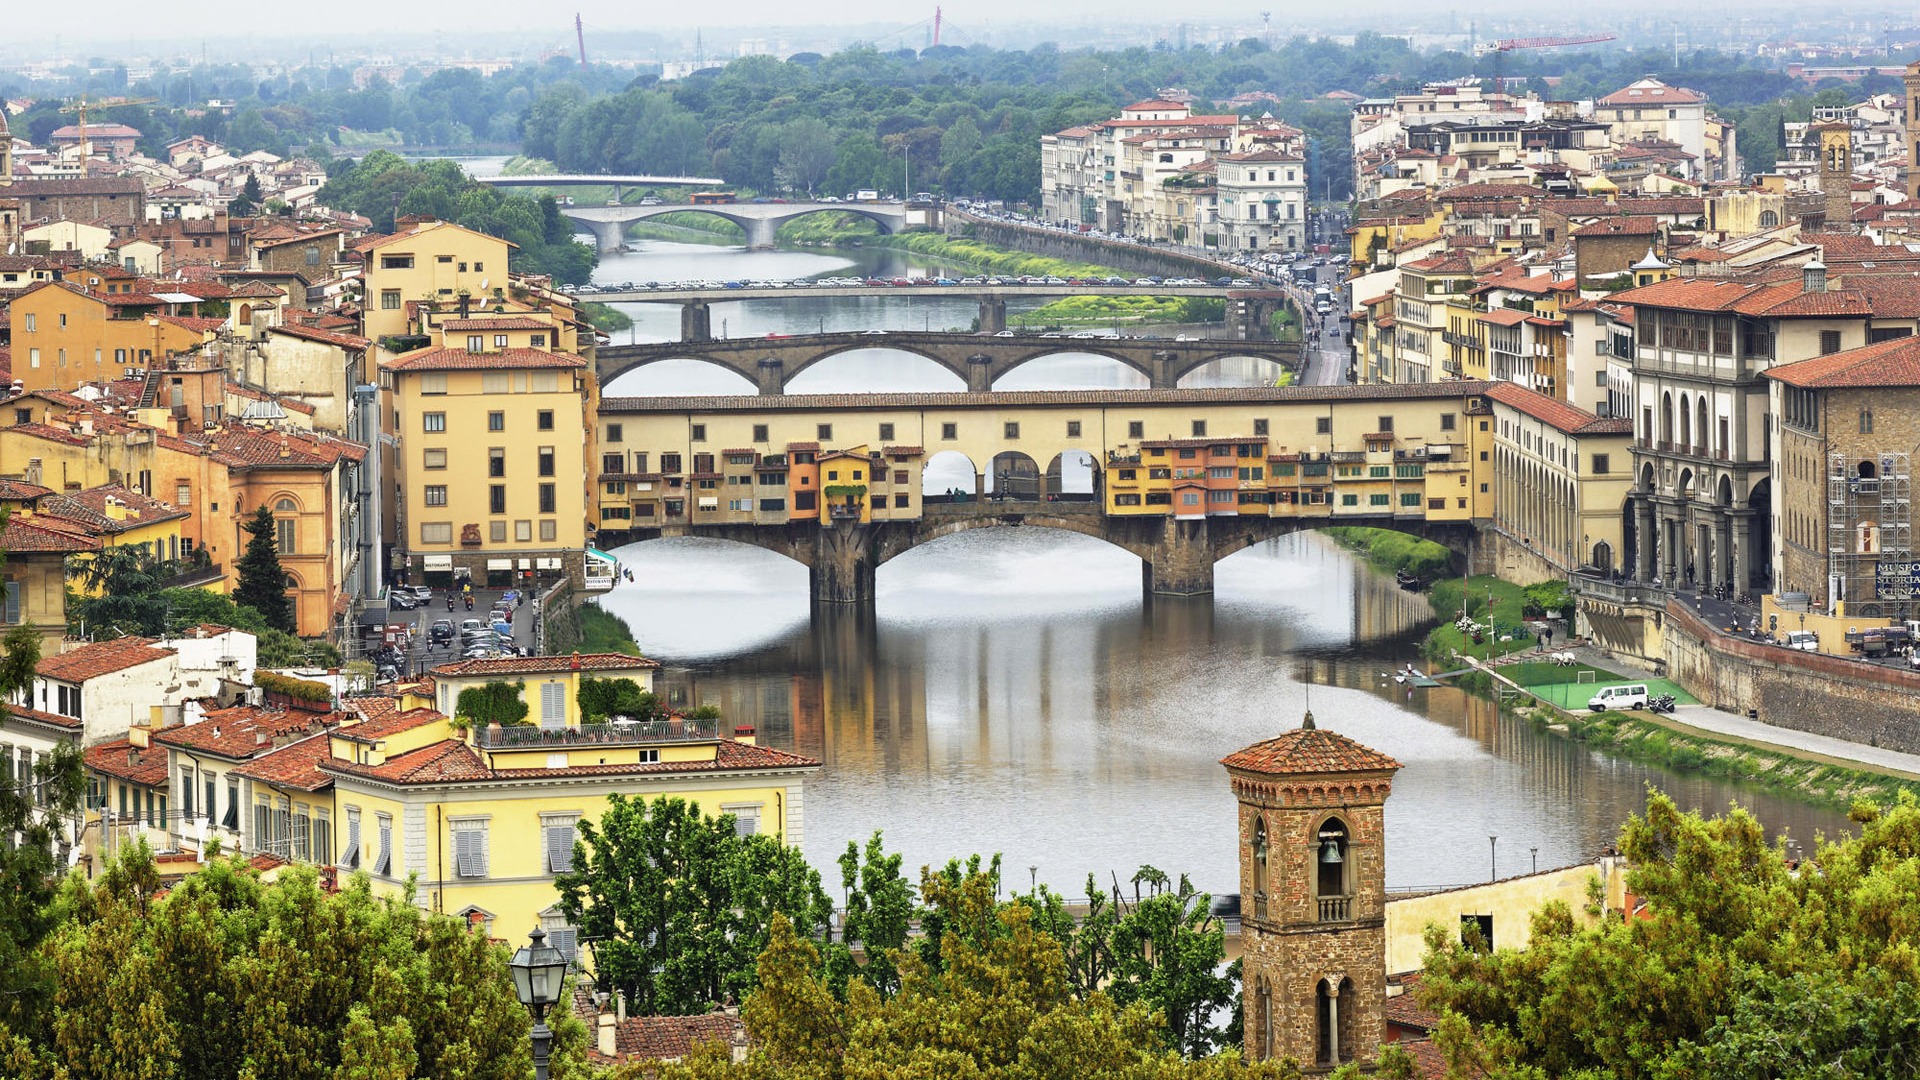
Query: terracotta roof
(664, 1038)
(1309, 750)
(1628, 225)
(1651, 92)
(1886, 363)
(351, 342)
(1504, 316)
(1745, 297)
(380, 723)
(728, 755)
(193, 323)
(21, 491)
(449, 760)
(242, 390)
(541, 665)
(497, 322)
(296, 765)
(1556, 413)
(143, 765)
(242, 446)
(70, 723)
(101, 658)
(52, 434)
(241, 732)
(447, 359)
(1441, 264)
(1405, 1009)
(89, 507)
(1029, 398)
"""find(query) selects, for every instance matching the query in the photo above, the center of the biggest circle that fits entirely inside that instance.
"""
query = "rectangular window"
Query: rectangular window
(949, 432)
(470, 849)
(286, 532)
(186, 790)
(436, 532)
(900, 502)
(545, 457)
(302, 836)
(549, 530)
(496, 421)
(546, 498)
(496, 498)
(433, 422)
(1073, 429)
(1349, 500)
(1601, 464)
(669, 463)
(433, 382)
(759, 433)
(497, 530)
(544, 420)
(231, 819)
(522, 531)
(435, 494)
(495, 382)
(559, 833)
(1012, 429)
(1829, 342)
(1199, 429)
(350, 857)
(886, 432)
(825, 432)
(1323, 425)
(699, 433)
(616, 433)
(496, 461)
(396, 262)
(1446, 421)
(613, 463)
(1259, 427)
(1136, 429)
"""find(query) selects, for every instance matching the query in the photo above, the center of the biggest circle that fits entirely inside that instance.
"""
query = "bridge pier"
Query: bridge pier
(979, 373)
(1162, 377)
(844, 561)
(770, 376)
(608, 236)
(1180, 560)
(759, 233)
(993, 315)
(696, 321)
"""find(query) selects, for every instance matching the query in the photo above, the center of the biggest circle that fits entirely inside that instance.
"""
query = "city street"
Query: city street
(421, 652)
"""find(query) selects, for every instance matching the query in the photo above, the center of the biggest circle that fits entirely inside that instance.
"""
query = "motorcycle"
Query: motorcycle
(469, 600)
(1663, 704)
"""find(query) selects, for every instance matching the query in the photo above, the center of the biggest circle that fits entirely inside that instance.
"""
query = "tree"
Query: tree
(879, 912)
(806, 152)
(263, 585)
(225, 977)
(601, 699)
(1740, 965)
(247, 202)
(493, 702)
(123, 593)
(21, 661)
(677, 906)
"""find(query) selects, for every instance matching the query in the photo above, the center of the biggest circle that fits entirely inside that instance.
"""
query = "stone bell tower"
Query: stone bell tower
(1836, 173)
(1313, 896)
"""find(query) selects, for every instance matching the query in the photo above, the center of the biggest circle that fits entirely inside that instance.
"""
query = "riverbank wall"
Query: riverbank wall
(1812, 692)
(1060, 244)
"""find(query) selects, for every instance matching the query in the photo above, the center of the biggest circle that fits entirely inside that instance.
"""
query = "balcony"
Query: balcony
(619, 733)
(1336, 909)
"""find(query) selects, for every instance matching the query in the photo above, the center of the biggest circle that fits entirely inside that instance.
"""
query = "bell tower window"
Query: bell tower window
(1331, 873)
(1260, 868)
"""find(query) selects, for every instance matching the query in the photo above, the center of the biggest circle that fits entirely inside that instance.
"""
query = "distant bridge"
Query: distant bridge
(760, 220)
(979, 359)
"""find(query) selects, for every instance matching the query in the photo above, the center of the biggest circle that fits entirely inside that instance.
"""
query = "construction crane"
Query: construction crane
(82, 106)
(1507, 45)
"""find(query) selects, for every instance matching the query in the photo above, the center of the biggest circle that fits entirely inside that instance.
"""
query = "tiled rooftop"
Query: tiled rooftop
(1026, 398)
(101, 658)
(1309, 750)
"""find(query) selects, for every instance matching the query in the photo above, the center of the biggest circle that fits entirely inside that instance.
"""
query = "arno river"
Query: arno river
(1013, 692)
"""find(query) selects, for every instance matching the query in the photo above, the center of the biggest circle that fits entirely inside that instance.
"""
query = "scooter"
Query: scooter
(1662, 704)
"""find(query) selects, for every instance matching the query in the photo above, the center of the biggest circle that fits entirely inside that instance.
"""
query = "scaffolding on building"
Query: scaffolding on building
(1870, 564)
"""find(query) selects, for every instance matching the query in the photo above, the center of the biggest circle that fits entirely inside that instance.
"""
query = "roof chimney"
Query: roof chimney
(744, 735)
(1813, 276)
(575, 666)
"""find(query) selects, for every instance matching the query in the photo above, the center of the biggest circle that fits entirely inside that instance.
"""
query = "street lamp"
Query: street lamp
(1493, 858)
(538, 970)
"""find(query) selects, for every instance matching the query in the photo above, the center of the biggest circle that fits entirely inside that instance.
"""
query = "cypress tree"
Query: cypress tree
(262, 583)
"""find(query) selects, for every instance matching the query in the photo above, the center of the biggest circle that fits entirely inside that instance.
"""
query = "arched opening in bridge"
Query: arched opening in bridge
(875, 370)
(716, 223)
(1014, 477)
(675, 377)
(949, 476)
(695, 597)
(1034, 569)
(1070, 370)
(1071, 475)
(1234, 371)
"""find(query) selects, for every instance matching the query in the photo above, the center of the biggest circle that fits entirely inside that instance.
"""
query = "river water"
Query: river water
(1012, 691)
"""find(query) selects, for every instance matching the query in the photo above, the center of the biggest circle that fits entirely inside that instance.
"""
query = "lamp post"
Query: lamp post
(1535, 852)
(1033, 878)
(538, 971)
(1493, 858)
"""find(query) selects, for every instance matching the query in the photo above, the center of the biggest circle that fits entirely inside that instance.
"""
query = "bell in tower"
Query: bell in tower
(1312, 863)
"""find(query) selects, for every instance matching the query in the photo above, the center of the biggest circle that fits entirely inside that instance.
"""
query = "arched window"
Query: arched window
(1769, 219)
(1666, 418)
(1333, 1020)
(1331, 875)
(1263, 1018)
(286, 529)
(1686, 423)
(1260, 868)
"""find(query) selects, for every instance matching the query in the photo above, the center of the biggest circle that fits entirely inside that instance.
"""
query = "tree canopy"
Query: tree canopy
(263, 585)
(1743, 963)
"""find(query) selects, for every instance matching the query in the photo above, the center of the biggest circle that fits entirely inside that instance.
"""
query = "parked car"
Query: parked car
(1628, 696)
(441, 631)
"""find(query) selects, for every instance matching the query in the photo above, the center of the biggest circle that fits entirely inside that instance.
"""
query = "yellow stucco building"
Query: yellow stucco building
(429, 261)
(64, 336)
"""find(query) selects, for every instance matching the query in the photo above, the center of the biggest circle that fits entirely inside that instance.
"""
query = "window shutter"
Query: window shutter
(353, 839)
(384, 863)
(559, 848)
(302, 837)
(262, 837)
(323, 842)
(566, 939)
(470, 851)
(13, 602)
(553, 705)
(746, 822)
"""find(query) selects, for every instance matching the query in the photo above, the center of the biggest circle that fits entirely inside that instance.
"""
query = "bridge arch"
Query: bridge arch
(877, 342)
(715, 363)
(1064, 346)
(1085, 525)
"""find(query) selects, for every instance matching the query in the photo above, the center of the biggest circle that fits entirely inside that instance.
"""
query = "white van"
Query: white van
(1630, 696)
(1803, 641)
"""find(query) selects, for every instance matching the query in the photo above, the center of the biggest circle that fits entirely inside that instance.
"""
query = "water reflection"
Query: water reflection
(1011, 691)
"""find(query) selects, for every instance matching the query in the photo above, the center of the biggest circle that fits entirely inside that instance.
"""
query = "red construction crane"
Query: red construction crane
(1506, 45)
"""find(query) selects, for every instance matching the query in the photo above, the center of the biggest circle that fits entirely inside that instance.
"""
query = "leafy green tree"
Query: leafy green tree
(22, 660)
(677, 906)
(1742, 965)
(247, 202)
(493, 702)
(123, 593)
(600, 699)
(263, 585)
(806, 152)
(879, 913)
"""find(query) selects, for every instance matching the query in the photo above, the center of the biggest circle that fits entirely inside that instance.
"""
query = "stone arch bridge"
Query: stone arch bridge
(760, 220)
(769, 363)
(1177, 556)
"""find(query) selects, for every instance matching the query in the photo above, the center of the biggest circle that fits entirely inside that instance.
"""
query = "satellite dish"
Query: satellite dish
(483, 284)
